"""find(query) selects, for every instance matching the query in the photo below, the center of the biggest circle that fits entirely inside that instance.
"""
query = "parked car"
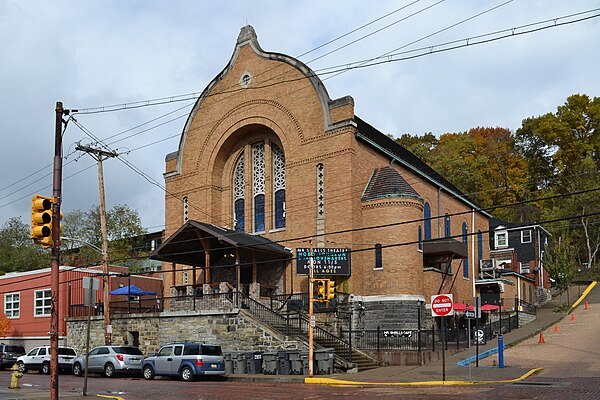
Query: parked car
(9, 354)
(38, 359)
(186, 360)
(111, 360)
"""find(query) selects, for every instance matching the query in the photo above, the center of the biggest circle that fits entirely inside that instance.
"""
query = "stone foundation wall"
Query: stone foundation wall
(233, 331)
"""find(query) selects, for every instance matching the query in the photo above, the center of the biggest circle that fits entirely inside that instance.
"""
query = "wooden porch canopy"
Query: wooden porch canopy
(203, 245)
(438, 251)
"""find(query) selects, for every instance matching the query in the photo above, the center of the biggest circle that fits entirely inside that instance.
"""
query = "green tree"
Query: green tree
(124, 232)
(560, 264)
(17, 251)
(419, 145)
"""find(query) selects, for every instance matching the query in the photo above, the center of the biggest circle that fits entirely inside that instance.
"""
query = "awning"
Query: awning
(187, 244)
(131, 290)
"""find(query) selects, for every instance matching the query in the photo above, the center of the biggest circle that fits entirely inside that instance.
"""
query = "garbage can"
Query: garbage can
(304, 360)
(239, 363)
(228, 363)
(283, 363)
(253, 362)
(269, 363)
(323, 361)
(296, 366)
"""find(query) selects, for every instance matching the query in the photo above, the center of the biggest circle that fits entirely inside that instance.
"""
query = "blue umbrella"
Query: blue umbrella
(131, 290)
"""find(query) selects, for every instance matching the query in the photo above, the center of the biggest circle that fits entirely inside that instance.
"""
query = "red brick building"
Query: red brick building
(266, 155)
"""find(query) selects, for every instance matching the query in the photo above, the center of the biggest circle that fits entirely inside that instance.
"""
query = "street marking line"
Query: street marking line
(339, 382)
(111, 397)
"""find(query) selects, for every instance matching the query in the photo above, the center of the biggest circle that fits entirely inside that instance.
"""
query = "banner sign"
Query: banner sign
(326, 261)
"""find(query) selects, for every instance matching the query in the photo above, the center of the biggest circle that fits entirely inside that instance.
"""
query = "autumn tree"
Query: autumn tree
(4, 325)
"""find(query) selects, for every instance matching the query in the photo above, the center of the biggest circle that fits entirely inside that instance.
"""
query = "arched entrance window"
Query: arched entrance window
(238, 194)
(278, 186)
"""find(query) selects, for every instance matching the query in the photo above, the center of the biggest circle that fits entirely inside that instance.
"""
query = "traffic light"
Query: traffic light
(41, 220)
(330, 289)
(320, 289)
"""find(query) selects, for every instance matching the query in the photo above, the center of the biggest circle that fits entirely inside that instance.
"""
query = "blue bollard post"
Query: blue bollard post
(500, 351)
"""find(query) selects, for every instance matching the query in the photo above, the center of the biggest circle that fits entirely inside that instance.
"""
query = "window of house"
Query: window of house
(465, 239)
(420, 238)
(524, 267)
(43, 300)
(479, 248)
(238, 195)
(378, 256)
(427, 220)
(12, 305)
(258, 185)
(501, 239)
(185, 209)
(279, 186)
(526, 236)
(447, 229)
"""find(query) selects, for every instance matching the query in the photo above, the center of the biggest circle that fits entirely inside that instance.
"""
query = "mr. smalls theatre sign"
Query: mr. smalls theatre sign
(326, 261)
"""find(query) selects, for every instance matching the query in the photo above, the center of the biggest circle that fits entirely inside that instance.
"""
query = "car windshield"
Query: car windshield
(128, 350)
(65, 351)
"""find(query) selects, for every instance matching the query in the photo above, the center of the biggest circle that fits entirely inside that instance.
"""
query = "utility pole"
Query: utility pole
(54, 266)
(99, 155)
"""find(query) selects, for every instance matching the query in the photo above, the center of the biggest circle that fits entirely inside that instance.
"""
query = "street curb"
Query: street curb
(336, 382)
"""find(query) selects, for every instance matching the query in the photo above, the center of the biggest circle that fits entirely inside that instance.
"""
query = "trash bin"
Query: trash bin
(269, 363)
(304, 360)
(323, 361)
(228, 363)
(253, 362)
(296, 366)
(240, 365)
(283, 363)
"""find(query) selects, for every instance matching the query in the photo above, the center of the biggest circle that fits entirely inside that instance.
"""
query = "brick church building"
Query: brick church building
(269, 165)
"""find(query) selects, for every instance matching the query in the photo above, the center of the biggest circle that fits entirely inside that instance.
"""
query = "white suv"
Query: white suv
(39, 359)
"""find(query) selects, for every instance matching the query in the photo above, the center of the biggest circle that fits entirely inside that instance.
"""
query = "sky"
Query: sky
(96, 54)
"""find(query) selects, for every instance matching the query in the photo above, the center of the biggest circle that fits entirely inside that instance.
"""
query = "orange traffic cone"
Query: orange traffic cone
(541, 337)
(587, 307)
(556, 328)
(572, 317)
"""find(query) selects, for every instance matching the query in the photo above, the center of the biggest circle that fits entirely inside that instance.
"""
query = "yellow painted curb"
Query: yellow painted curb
(339, 382)
(583, 295)
(111, 397)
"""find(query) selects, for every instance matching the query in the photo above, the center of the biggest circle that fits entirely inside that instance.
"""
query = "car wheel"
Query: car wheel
(77, 370)
(21, 366)
(109, 370)
(187, 374)
(148, 373)
(45, 368)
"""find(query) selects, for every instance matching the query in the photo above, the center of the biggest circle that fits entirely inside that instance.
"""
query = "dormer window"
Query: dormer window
(501, 239)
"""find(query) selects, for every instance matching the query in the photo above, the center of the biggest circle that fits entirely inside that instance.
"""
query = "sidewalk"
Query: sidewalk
(455, 374)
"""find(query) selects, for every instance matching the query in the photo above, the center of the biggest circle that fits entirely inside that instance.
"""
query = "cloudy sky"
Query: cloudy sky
(95, 53)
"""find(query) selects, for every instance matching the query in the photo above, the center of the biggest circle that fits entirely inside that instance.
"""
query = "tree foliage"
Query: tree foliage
(4, 325)
(124, 233)
(17, 251)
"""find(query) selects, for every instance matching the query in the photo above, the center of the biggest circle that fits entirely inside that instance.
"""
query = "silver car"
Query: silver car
(111, 360)
(187, 360)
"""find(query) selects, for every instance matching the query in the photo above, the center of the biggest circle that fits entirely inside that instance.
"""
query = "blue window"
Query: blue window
(465, 239)
(280, 209)
(427, 220)
(479, 248)
(447, 230)
(420, 237)
(378, 256)
(239, 215)
(259, 213)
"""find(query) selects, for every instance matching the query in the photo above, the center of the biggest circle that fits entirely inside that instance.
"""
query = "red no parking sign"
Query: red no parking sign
(442, 305)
